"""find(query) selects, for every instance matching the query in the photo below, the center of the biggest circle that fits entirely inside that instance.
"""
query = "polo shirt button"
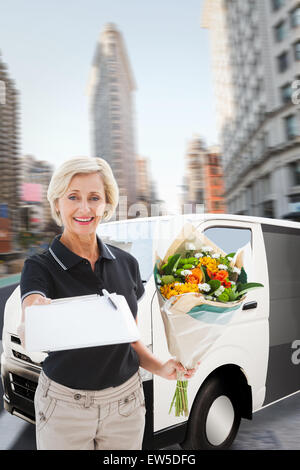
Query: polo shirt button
(77, 396)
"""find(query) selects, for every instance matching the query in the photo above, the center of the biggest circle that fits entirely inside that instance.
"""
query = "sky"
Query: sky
(49, 45)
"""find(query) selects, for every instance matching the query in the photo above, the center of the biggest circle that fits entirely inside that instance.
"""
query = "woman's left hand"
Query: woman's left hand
(170, 368)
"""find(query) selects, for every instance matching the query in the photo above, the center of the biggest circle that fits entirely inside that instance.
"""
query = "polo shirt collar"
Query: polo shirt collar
(67, 258)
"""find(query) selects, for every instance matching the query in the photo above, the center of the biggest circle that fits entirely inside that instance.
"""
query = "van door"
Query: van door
(247, 237)
(249, 334)
(283, 258)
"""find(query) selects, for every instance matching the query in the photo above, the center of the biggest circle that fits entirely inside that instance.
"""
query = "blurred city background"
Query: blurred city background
(193, 105)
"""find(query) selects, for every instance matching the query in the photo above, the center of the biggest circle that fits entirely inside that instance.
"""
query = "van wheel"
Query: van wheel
(215, 417)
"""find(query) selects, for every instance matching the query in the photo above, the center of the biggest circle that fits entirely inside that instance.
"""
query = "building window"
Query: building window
(297, 50)
(214, 170)
(286, 92)
(295, 173)
(295, 17)
(2, 92)
(291, 126)
(276, 4)
(199, 197)
(283, 62)
(268, 209)
(114, 98)
(280, 31)
(266, 185)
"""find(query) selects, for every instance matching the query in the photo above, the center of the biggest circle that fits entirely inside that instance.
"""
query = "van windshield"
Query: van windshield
(144, 238)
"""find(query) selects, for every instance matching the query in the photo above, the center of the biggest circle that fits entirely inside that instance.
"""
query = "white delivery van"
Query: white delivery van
(253, 363)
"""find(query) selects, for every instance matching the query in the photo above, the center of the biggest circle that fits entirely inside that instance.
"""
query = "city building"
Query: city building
(35, 179)
(203, 188)
(145, 188)
(194, 182)
(214, 182)
(111, 99)
(255, 59)
(9, 154)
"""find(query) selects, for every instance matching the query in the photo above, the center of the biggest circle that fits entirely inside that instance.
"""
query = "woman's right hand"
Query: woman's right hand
(32, 299)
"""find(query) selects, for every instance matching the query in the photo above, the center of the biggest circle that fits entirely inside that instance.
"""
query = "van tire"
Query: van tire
(215, 397)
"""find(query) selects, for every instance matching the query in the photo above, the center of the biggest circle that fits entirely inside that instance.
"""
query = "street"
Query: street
(275, 427)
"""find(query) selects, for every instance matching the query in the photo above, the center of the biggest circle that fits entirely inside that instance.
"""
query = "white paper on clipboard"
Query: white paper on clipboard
(79, 322)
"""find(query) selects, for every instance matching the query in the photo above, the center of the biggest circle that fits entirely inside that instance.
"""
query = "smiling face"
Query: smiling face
(83, 204)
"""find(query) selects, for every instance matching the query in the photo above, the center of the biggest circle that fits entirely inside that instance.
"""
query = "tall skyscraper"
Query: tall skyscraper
(256, 57)
(111, 93)
(9, 150)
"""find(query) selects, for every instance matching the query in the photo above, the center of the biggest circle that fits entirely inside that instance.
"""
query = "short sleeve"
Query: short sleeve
(140, 289)
(35, 279)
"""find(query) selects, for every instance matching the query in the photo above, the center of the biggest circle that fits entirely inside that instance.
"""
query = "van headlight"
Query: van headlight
(5, 344)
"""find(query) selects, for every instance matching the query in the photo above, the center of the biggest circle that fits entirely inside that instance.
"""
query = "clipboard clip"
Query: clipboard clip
(107, 296)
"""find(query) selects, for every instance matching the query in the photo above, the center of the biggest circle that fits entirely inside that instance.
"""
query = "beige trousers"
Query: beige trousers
(109, 419)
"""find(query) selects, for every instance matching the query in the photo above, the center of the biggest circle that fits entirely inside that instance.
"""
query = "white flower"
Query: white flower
(198, 255)
(207, 248)
(219, 291)
(208, 256)
(222, 266)
(209, 297)
(229, 258)
(215, 255)
(178, 283)
(232, 282)
(204, 286)
(186, 272)
(190, 246)
(236, 270)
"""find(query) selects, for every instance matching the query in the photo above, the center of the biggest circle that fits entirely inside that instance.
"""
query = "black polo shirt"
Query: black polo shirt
(58, 273)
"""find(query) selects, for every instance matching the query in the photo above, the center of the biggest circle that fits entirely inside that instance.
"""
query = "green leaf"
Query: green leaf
(204, 274)
(230, 255)
(242, 278)
(243, 288)
(214, 284)
(172, 264)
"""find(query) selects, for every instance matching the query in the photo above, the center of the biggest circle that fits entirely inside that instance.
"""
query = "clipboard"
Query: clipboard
(79, 322)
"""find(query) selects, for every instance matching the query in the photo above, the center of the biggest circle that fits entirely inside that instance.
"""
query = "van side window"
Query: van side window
(133, 237)
(233, 240)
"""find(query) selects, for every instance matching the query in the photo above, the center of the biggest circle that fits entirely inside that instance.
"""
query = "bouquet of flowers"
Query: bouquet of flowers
(199, 289)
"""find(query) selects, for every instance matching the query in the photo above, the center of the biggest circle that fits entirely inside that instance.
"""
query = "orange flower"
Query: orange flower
(221, 275)
(192, 279)
(195, 277)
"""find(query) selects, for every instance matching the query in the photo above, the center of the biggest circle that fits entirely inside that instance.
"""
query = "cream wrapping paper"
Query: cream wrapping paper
(191, 333)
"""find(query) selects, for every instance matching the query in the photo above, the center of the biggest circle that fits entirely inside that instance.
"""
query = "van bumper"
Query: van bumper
(19, 381)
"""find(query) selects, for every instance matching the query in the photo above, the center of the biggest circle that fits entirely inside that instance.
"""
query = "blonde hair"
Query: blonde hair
(62, 176)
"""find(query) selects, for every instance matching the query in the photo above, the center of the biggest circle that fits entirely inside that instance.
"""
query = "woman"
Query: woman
(88, 398)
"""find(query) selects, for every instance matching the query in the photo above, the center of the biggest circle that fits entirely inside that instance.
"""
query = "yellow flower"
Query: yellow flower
(169, 290)
(210, 263)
